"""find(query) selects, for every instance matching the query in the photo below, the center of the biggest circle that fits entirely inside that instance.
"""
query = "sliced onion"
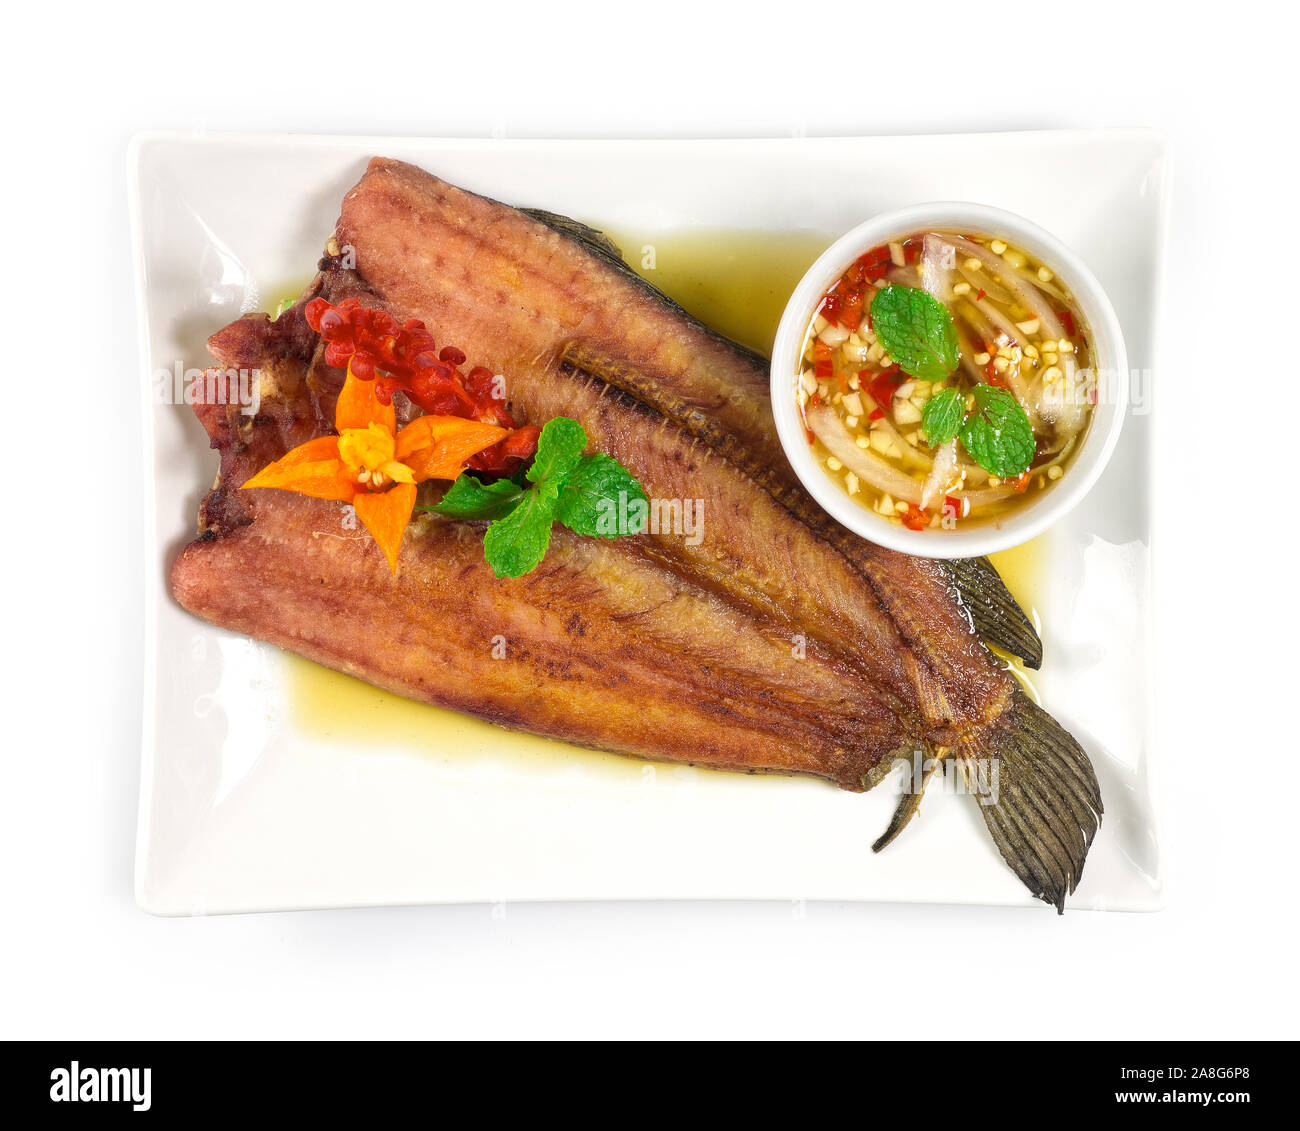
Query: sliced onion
(984, 497)
(912, 455)
(1064, 415)
(984, 329)
(1028, 295)
(1005, 327)
(968, 352)
(938, 258)
(941, 474)
(1047, 288)
(980, 281)
(864, 463)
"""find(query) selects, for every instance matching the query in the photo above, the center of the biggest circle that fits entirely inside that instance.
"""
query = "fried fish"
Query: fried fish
(773, 641)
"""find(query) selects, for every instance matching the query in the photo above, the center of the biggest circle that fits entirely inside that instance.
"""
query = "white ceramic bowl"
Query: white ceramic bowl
(1038, 512)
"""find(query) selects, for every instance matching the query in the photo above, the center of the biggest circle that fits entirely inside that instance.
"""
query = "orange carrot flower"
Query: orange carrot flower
(375, 467)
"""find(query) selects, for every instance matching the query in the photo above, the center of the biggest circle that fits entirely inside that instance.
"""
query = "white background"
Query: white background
(77, 959)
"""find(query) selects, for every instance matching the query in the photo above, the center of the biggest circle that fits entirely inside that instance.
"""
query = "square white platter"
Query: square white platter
(264, 788)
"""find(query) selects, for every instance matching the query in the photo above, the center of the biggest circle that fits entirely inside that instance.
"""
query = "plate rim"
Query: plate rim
(1159, 158)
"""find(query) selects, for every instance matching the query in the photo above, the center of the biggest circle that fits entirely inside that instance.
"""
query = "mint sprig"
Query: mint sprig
(941, 417)
(602, 499)
(472, 498)
(516, 544)
(917, 331)
(592, 495)
(997, 433)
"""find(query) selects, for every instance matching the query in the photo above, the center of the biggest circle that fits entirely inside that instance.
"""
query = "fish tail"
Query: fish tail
(1038, 795)
(996, 616)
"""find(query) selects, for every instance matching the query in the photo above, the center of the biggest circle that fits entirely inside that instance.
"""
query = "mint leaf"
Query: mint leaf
(998, 434)
(917, 330)
(941, 417)
(602, 499)
(471, 498)
(516, 544)
(593, 495)
(559, 448)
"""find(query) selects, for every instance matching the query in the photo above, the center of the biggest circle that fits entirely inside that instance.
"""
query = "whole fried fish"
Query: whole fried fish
(774, 641)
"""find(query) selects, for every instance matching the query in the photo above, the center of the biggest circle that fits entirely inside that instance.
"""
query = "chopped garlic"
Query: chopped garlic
(851, 483)
(1054, 472)
(853, 405)
(896, 254)
(1030, 327)
(973, 264)
(862, 442)
(962, 288)
(997, 247)
(982, 359)
(905, 412)
(833, 463)
(808, 381)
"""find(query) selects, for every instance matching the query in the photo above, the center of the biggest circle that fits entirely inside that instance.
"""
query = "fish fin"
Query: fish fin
(591, 238)
(1045, 805)
(997, 618)
(908, 805)
(600, 245)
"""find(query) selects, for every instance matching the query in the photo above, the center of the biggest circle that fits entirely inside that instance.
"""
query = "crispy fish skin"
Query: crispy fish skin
(602, 647)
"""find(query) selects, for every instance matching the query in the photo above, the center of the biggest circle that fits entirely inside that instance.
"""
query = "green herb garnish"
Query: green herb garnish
(917, 330)
(596, 496)
(998, 434)
(941, 417)
(516, 544)
(593, 495)
(472, 498)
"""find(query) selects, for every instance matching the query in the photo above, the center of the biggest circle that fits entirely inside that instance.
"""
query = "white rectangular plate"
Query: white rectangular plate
(265, 788)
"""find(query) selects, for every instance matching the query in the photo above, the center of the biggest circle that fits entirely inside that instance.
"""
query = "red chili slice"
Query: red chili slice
(884, 385)
(915, 518)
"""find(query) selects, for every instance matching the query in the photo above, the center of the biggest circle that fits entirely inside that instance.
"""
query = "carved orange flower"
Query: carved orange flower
(373, 466)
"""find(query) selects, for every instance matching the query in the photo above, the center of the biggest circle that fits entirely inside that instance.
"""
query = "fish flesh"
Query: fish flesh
(774, 641)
